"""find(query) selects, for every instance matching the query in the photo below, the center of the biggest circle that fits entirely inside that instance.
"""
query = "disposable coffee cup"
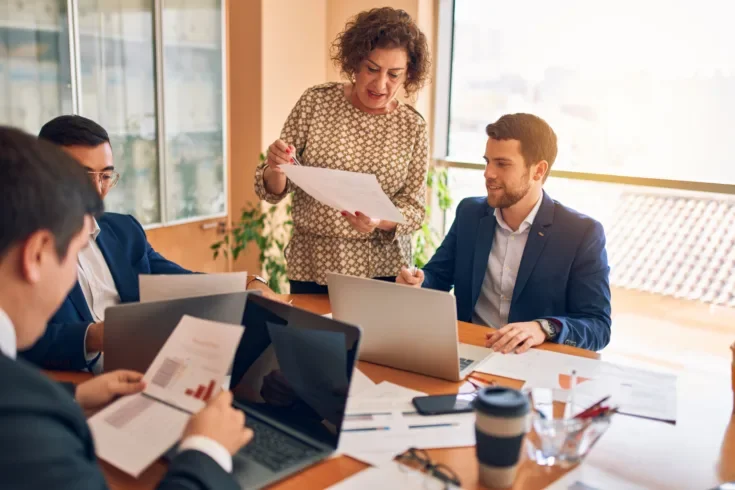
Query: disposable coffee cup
(501, 422)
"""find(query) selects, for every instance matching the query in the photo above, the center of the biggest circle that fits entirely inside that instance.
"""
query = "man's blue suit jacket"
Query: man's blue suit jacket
(127, 252)
(563, 273)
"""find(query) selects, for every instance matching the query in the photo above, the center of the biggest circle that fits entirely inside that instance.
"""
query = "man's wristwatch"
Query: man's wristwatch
(255, 278)
(548, 327)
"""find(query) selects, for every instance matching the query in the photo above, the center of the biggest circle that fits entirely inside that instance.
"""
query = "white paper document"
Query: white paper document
(359, 383)
(392, 475)
(538, 365)
(345, 191)
(191, 367)
(383, 397)
(637, 392)
(586, 477)
(159, 287)
(382, 422)
(136, 430)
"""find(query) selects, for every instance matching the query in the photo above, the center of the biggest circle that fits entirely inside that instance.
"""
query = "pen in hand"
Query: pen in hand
(296, 160)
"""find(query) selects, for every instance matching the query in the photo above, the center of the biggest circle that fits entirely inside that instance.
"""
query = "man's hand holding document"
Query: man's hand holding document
(345, 191)
(185, 377)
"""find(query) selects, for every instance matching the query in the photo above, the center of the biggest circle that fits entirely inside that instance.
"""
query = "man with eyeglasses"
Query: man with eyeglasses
(108, 269)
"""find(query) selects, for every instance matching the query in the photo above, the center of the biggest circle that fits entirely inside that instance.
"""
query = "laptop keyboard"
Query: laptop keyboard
(274, 449)
(463, 363)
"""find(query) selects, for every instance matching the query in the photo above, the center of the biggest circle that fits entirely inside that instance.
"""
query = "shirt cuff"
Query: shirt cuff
(211, 448)
(92, 358)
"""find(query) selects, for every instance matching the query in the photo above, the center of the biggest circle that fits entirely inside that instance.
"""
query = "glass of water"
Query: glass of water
(564, 442)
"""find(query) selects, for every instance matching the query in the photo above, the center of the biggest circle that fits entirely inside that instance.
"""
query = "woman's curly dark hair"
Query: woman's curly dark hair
(383, 28)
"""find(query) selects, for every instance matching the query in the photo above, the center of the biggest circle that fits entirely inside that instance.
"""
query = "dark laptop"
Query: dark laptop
(135, 332)
(291, 376)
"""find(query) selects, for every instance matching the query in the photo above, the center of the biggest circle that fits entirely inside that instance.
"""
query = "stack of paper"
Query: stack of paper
(637, 392)
(189, 370)
(382, 422)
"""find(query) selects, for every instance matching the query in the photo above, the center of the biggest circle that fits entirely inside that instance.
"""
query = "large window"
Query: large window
(635, 88)
(638, 93)
(150, 71)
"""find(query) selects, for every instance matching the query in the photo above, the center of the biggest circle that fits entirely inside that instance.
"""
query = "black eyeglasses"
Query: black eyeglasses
(439, 471)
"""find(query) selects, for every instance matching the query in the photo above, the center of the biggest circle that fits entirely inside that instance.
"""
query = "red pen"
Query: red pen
(584, 413)
(593, 413)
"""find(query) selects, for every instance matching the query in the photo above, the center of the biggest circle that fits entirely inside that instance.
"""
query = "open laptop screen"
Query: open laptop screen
(295, 367)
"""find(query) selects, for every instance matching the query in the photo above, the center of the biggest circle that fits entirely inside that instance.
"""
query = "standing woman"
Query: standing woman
(359, 126)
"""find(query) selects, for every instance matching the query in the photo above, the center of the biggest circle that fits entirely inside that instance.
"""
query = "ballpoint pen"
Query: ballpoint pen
(585, 413)
(294, 159)
(414, 270)
(479, 383)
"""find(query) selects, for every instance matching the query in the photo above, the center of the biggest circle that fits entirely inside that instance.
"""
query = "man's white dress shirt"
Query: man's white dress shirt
(493, 305)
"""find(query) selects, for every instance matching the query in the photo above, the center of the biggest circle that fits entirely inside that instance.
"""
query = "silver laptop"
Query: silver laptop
(135, 332)
(404, 327)
(291, 376)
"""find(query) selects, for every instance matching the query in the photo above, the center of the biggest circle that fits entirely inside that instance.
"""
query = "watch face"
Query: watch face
(548, 328)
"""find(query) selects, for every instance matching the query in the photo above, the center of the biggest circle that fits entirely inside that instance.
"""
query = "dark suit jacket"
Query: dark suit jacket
(127, 252)
(47, 444)
(563, 273)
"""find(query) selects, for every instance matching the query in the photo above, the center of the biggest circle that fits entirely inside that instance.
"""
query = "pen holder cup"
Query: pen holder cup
(563, 442)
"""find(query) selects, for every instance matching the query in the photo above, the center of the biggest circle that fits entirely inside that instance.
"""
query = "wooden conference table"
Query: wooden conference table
(697, 452)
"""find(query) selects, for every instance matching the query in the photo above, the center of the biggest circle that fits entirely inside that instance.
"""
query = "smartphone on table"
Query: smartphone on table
(443, 404)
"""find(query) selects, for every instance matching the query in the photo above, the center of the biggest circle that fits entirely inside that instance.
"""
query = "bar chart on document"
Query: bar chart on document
(170, 374)
(190, 367)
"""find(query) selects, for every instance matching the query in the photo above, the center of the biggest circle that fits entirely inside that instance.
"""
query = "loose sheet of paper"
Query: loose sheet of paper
(382, 422)
(586, 477)
(383, 397)
(135, 431)
(158, 287)
(392, 475)
(637, 391)
(191, 367)
(359, 383)
(193, 363)
(394, 432)
(536, 363)
(345, 191)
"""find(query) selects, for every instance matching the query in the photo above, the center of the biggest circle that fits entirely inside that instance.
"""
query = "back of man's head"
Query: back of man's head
(72, 130)
(41, 188)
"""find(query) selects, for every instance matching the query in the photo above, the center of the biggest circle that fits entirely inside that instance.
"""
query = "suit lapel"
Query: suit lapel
(80, 303)
(119, 264)
(537, 237)
(483, 244)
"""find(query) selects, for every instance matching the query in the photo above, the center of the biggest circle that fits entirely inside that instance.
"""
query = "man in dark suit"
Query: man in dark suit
(108, 269)
(518, 260)
(47, 205)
